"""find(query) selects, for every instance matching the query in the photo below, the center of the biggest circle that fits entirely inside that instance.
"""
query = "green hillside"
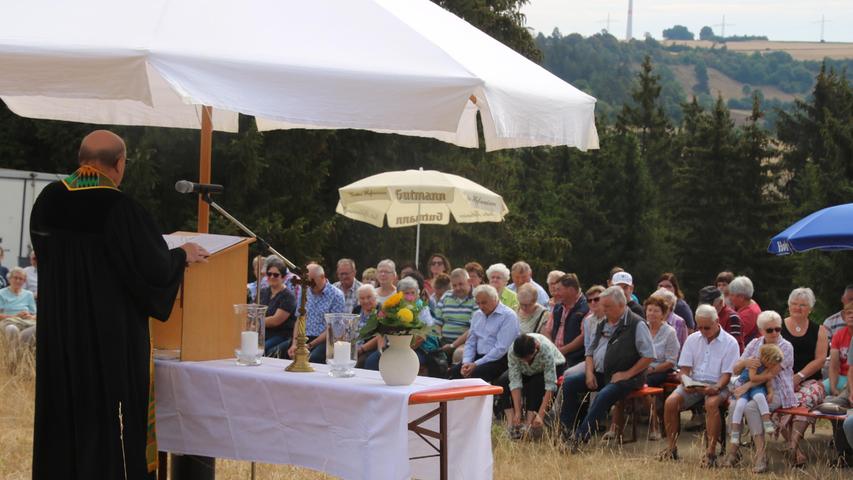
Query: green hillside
(606, 67)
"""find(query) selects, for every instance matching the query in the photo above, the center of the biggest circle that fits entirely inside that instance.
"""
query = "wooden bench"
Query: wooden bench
(644, 392)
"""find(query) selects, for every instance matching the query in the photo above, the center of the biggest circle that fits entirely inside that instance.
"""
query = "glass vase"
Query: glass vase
(341, 336)
(250, 322)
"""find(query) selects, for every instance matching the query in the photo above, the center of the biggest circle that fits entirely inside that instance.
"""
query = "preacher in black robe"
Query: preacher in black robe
(104, 268)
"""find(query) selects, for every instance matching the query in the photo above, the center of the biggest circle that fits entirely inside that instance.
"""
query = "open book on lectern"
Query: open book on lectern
(211, 242)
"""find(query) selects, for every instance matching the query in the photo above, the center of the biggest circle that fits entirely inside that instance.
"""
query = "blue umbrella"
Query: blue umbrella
(827, 229)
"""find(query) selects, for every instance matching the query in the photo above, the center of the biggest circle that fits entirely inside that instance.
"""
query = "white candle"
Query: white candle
(249, 344)
(343, 351)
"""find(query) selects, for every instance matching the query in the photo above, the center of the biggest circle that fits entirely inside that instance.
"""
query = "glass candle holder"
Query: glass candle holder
(341, 336)
(250, 322)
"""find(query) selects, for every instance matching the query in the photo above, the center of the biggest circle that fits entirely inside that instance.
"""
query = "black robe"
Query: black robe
(103, 270)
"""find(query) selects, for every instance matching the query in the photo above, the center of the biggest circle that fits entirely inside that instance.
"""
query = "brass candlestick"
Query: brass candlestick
(300, 358)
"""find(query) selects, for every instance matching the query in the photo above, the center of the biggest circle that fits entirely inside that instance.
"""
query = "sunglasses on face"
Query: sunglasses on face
(273, 274)
(593, 300)
(773, 330)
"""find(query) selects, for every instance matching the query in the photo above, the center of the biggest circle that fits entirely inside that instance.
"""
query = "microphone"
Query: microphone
(184, 186)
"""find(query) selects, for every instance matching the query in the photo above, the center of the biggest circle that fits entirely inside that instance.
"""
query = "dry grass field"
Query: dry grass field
(798, 50)
(514, 460)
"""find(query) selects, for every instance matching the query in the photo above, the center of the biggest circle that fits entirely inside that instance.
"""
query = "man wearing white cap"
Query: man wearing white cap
(626, 281)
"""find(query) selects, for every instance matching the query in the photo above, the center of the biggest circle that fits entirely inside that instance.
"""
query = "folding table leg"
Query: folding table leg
(443, 440)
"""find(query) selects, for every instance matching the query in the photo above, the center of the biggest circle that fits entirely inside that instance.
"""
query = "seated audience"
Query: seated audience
(421, 344)
(729, 320)
(707, 356)
(810, 345)
(347, 282)
(368, 276)
(532, 316)
(440, 286)
(616, 362)
(367, 305)
(32, 275)
(438, 264)
(522, 274)
(530, 383)
(836, 384)
(17, 309)
(498, 276)
(740, 296)
(566, 323)
(281, 310)
(476, 274)
(625, 281)
(322, 298)
(682, 309)
(722, 282)
(493, 329)
(674, 320)
(258, 272)
(778, 377)
(834, 322)
(386, 277)
(666, 355)
(453, 313)
(553, 277)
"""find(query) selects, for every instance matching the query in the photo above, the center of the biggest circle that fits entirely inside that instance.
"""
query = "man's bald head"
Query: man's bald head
(101, 147)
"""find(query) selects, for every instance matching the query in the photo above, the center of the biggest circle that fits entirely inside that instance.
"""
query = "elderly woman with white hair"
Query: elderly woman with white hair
(17, 308)
(498, 275)
(810, 346)
(407, 285)
(532, 316)
(779, 377)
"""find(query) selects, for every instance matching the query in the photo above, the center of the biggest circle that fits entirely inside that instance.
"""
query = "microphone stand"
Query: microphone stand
(300, 361)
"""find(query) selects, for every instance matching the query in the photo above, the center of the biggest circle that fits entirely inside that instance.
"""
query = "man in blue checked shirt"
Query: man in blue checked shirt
(493, 329)
(323, 298)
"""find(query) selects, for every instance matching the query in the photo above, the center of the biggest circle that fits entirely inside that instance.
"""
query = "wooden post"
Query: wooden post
(205, 148)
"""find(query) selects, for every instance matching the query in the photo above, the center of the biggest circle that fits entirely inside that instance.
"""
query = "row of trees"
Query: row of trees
(691, 193)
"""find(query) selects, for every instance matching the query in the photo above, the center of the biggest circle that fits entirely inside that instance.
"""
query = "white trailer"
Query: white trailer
(18, 192)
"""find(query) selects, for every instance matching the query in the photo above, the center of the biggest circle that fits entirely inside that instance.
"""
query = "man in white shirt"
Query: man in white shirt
(708, 356)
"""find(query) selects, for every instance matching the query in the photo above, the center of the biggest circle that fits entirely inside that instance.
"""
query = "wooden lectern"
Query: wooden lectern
(202, 325)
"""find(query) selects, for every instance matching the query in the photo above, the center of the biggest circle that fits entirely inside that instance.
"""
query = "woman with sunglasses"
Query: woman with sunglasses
(779, 377)
(281, 308)
(437, 264)
(810, 343)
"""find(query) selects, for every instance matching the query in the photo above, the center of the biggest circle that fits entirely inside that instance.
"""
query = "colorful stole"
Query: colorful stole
(88, 177)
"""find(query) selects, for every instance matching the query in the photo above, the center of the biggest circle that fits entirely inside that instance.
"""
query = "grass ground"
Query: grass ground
(521, 460)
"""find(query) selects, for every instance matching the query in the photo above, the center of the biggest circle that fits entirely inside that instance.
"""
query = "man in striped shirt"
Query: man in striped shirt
(454, 310)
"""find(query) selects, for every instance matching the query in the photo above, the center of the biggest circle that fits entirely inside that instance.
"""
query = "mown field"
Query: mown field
(521, 460)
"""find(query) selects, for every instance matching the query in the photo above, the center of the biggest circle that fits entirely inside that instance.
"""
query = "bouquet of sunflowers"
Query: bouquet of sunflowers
(398, 315)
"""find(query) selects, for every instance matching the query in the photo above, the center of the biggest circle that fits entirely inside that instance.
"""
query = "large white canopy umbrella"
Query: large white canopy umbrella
(416, 197)
(406, 67)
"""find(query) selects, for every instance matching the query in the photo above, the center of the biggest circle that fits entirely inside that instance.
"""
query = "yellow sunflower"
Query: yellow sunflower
(393, 300)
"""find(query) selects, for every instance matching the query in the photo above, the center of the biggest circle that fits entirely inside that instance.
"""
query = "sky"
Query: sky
(778, 20)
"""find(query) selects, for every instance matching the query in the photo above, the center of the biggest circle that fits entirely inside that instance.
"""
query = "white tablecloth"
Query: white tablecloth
(349, 427)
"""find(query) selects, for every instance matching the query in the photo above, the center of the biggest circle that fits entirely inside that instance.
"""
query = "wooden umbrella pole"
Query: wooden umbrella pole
(205, 149)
